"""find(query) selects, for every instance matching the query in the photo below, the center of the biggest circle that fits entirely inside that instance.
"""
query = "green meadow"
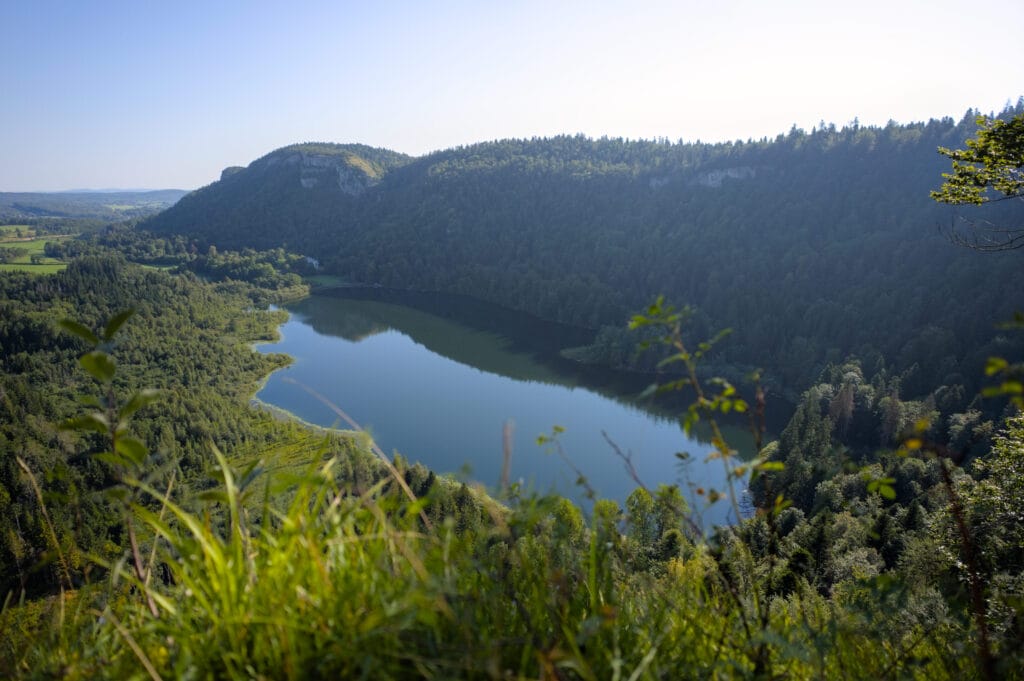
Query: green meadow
(32, 247)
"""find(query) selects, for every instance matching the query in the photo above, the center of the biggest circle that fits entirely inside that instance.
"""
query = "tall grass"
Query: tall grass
(338, 585)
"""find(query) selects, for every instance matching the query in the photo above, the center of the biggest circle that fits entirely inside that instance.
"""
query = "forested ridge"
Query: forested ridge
(811, 246)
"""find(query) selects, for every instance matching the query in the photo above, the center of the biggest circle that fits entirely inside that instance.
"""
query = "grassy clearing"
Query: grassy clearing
(33, 247)
(42, 268)
(13, 232)
(164, 268)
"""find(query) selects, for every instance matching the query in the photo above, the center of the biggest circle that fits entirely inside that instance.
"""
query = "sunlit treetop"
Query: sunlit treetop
(991, 168)
(992, 162)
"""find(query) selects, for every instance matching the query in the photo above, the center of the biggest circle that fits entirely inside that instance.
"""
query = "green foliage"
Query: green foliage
(334, 585)
(990, 169)
(992, 162)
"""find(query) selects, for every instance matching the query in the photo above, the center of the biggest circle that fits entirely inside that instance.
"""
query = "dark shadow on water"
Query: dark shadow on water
(492, 338)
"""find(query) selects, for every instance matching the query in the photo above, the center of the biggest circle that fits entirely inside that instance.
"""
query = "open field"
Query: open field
(34, 247)
(48, 267)
(13, 232)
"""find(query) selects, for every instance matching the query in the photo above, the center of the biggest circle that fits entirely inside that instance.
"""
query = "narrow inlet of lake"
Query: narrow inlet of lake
(439, 391)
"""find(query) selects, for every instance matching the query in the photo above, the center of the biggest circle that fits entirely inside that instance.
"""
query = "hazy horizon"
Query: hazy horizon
(160, 96)
(126, 190)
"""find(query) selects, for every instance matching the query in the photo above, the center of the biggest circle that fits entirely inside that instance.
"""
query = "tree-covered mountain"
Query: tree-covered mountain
(812, 246)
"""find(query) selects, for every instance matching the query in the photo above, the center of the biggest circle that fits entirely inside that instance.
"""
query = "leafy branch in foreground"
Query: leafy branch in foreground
(706, 407)
(707, 404)
(126, 455)
(990, 169)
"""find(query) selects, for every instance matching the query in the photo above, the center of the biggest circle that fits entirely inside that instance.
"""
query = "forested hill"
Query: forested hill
(812, 246)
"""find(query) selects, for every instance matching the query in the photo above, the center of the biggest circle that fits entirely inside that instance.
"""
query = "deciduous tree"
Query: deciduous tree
(991, 168)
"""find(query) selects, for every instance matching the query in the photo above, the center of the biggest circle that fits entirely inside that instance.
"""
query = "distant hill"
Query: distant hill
(811, 246)
(89, 204)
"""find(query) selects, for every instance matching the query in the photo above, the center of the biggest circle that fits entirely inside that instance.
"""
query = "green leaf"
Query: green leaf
(213, 495)
(689, 421)
(771, 466)
(114, 459)
(1005, 388)
(138, 401)
(95, 422)
(994, 365)
(648, 391)
(99, 365)
(89, 401)
(73, 327)
(887, 492)
(116, 493)
(115, 323)
(132, 449)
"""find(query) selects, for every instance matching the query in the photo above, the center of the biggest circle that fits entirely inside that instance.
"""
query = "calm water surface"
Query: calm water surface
(439, 389)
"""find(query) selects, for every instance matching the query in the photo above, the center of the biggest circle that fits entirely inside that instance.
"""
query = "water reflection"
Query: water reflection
(437, 385)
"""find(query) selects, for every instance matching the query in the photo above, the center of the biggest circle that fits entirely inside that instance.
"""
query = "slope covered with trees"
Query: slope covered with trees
(187, 339)
(812, 246)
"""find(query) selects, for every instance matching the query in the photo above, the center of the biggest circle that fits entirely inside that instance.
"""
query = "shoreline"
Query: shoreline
(280, 412)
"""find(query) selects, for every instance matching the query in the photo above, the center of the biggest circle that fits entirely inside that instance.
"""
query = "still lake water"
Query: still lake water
(437, 383)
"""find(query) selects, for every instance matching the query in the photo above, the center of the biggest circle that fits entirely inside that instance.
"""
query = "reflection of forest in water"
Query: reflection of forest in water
(492, 339)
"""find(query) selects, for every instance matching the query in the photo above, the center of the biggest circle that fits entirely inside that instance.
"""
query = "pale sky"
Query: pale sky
(166, 94)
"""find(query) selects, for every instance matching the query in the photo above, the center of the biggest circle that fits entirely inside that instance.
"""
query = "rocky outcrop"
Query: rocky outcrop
(346, 171)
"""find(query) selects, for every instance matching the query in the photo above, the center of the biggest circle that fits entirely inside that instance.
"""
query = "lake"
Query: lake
(435, 378)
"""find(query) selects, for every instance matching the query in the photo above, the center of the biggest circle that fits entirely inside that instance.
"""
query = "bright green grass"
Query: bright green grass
(326, 584)
(43, 268)
(34, 247)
